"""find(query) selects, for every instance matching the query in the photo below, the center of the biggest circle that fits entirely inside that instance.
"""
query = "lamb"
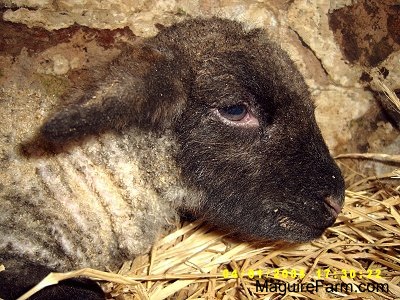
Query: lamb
(205, 119)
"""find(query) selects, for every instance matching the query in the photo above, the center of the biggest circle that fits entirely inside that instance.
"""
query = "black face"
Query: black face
(251, 146)
(244, 120)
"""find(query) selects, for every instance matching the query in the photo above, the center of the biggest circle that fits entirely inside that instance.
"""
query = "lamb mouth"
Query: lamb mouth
(334, 207)
(331, 208)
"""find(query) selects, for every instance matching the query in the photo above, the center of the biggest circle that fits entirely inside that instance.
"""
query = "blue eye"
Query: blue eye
(234, 112)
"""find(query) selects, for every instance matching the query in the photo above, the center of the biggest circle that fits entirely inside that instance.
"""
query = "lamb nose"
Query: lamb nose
(334, 205)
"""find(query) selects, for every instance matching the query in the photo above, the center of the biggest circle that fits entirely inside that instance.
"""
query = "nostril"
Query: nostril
(333, 205)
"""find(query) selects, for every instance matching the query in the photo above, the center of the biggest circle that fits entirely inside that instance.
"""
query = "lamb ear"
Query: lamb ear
(143, 87)
(77, 121)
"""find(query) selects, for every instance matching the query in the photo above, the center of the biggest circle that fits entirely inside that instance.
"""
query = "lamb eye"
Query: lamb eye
(237, 115)
(234, 112)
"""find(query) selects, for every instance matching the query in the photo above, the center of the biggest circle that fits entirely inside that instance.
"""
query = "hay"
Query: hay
(372, 156)
(389, 93)
(361, 250)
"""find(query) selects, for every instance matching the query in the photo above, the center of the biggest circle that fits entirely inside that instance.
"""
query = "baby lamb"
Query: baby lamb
(205, 119)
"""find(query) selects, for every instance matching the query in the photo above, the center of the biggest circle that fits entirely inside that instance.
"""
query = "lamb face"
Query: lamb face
(251, 147)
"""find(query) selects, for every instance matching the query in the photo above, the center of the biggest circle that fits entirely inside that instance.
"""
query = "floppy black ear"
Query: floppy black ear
(144, 86)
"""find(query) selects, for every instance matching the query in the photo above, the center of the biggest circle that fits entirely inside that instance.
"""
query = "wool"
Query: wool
(103, 203)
